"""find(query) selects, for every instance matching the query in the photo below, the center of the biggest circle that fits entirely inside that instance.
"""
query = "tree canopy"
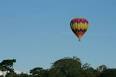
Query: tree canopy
(65, 67)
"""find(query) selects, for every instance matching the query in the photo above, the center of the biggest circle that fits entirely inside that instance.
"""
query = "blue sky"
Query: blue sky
(37, 32)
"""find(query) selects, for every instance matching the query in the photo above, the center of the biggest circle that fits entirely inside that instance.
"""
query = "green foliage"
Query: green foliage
(23, 75)
(102, 68)
(88, 71)
(11, 74)
(38, 72)
(7, 65)
(108, 73)
(65, 67)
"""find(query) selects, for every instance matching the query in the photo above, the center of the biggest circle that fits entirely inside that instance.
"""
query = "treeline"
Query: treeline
(65, 67)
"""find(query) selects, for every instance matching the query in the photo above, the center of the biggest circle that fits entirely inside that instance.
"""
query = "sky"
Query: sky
(37, 32)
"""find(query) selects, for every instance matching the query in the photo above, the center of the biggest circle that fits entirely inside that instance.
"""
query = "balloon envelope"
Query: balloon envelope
(79, 26)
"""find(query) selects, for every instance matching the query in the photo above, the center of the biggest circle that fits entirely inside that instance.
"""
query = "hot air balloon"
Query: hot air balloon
(79, 26)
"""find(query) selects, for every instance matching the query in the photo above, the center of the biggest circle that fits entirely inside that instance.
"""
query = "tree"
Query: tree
(102, 68)
(88, 71)
(7, 65)
(10, 74)
(108, 73)
(66, 67)
(38, 72)
(23, 75)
